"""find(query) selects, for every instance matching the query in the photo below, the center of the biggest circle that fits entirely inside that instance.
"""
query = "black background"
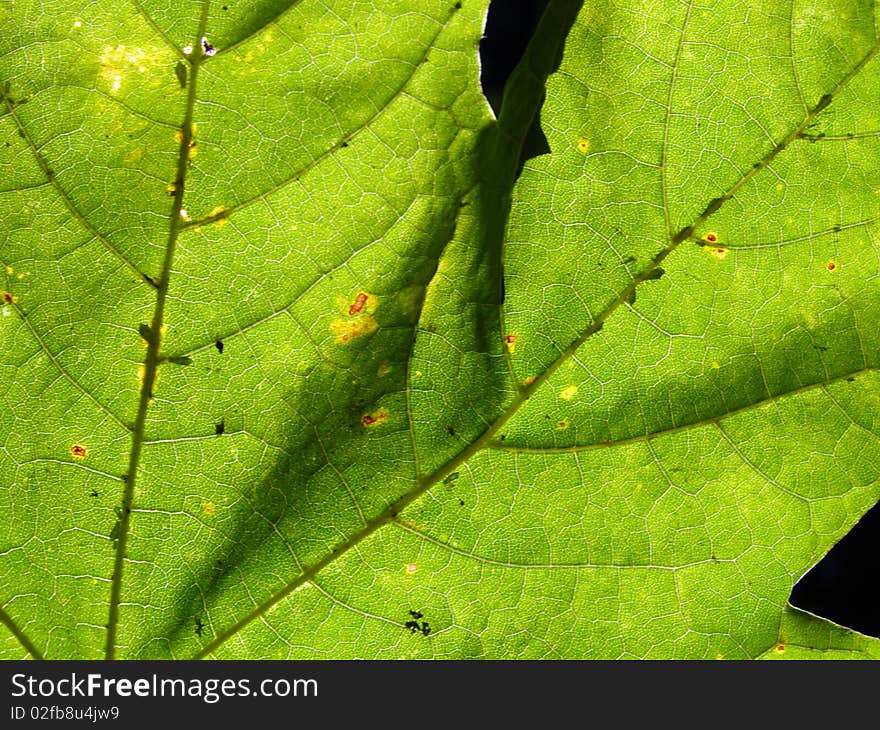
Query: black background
(844, 586)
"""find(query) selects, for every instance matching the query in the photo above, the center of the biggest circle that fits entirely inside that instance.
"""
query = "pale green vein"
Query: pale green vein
(7, 621)
(297, 297)
(692, 425)
(65, 198)
(344, 140)
(664, 148)
(61, 369)
(840, 137)
(271, 21)
(808, 237)
(550, 566)
(157, 28)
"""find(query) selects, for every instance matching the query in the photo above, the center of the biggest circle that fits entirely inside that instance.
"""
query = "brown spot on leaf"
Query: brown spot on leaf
(78, 451)
(358, 305)
(371, 419)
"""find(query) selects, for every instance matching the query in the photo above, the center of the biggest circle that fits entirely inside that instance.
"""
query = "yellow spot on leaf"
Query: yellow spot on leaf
(383, 370)
(220, 214)
(411, 568)
(9, 269)
(583, 146)
(350, 328)
(562, 425)
(134, 155)
(208, 508)
(409, 302)
(510, 344)
(780, 187)
(717, 251)
(77, 24)
(715, 365)
(569, 392)
(120, 62)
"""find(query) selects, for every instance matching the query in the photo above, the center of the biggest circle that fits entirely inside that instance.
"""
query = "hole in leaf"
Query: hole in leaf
(509, 28)
(844, 587)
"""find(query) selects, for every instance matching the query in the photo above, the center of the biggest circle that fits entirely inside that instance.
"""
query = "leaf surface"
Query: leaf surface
(284, 380)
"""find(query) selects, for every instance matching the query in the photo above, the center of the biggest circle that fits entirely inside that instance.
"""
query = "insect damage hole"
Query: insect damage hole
(414, 626)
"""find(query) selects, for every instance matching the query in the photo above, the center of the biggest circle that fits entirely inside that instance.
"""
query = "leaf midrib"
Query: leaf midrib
(154, 341)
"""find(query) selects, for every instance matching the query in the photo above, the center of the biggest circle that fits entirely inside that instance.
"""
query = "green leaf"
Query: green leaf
(427, 412)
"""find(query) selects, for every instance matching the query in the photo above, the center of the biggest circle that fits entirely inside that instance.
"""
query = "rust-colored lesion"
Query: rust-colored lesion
(357, 317)
(359, 302)
(375, 418)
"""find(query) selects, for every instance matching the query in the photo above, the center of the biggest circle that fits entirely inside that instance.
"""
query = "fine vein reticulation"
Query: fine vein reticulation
(525, 392)
(488, 439)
